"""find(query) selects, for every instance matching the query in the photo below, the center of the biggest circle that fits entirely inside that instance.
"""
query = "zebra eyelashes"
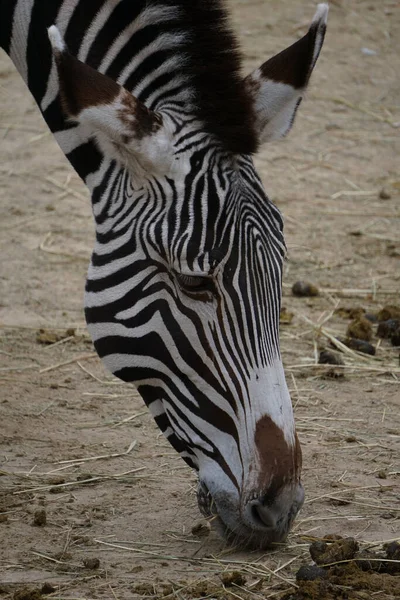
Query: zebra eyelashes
(198, 287)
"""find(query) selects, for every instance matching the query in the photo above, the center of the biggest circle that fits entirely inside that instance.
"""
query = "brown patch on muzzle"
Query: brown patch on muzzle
(280, 462)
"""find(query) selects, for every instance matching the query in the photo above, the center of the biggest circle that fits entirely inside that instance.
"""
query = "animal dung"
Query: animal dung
(325, 554)
(389, 312)
(360, 329)
(232, 578)
(304, 289)
(326, 357)
(360, 346)
(387, 328)
(350, 313)
(40, 518)
(311, 573)
(91, 563)
(285, 316)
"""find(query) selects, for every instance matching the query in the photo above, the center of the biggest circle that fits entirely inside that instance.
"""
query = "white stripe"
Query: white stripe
(19, 37)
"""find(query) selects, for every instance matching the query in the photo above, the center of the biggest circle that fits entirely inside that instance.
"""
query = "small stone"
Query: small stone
(40, 517)
(387, 516)
(3, 518)
(384, 194)
(91, 563)
(368, 52)
(310, 573)
(382, 475)
(351, 439)
(304, 289)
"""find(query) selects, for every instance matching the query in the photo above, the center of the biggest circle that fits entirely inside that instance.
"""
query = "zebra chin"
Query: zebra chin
(251, 524)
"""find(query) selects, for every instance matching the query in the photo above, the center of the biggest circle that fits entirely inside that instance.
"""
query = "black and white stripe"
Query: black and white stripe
(204, 353)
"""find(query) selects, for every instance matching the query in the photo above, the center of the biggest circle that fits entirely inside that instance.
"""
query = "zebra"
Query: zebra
(147, 101)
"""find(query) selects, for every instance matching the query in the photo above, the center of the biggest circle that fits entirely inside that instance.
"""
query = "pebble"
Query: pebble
(384, 194)
(368, 52)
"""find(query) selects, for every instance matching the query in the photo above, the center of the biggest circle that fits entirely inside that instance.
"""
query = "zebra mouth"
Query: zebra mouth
(241, 536)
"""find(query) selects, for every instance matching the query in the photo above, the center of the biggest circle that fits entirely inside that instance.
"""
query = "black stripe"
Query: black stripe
(6, 20)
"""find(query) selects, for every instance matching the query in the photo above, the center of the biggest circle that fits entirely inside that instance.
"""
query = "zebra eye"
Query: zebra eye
(196, 286)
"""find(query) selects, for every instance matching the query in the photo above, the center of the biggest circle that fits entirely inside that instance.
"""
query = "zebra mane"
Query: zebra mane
(221, 100)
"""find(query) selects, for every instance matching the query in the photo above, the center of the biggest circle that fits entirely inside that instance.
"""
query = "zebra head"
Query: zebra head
(184, 287)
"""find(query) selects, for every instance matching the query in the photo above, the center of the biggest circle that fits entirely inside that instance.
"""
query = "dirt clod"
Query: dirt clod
(360, 329)
(304, 289)
(285, 316)
(91, 563)
(47, 588)
(40, 517)
(201, 529)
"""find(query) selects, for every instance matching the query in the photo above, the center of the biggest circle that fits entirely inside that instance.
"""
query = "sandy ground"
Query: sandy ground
(134, 508)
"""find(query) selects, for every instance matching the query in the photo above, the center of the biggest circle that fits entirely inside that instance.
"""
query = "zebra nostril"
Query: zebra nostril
(263, 515)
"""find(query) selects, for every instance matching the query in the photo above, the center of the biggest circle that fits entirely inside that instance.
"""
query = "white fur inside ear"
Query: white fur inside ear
(275, 104)
(56, 40)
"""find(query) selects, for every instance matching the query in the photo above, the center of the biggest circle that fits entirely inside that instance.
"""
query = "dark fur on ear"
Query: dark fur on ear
(222, 101)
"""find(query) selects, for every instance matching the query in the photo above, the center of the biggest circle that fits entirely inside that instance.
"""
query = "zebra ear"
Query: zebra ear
(277, 87)
(123, 126)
